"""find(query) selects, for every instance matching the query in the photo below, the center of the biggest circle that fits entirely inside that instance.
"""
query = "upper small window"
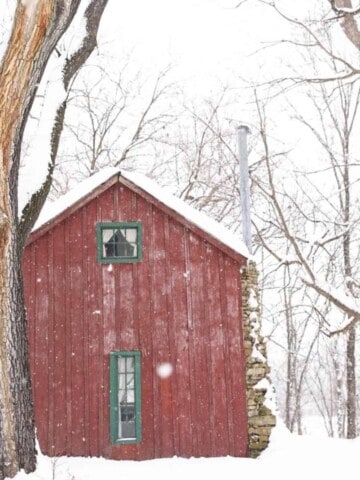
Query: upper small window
(119, 242)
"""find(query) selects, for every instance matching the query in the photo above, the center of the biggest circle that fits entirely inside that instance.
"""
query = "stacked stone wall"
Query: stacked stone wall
(261, 419)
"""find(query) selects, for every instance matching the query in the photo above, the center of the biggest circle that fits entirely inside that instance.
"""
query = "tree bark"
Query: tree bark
(348, 21)
(36, 30)
(290, 348)
(351, 384)
(351, 408)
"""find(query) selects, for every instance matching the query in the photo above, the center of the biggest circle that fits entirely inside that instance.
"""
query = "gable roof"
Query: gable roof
(84, 192)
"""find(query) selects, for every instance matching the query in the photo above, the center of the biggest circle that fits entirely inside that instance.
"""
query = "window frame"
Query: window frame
(117, 226)
(114, 393)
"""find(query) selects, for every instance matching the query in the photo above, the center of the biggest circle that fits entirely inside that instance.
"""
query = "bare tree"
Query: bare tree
(331, 69)
(37, 29)
(299, 347)
(328, 260)
(326, 384)
(116, 125)
(198, 158)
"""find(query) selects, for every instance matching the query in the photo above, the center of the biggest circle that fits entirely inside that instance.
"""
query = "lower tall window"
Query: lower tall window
(125, 397)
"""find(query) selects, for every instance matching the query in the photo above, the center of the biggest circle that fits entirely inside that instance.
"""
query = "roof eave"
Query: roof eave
(35, 234)
(181, 219)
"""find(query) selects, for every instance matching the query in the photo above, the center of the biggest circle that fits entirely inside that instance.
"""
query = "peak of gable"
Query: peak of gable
(110, 175)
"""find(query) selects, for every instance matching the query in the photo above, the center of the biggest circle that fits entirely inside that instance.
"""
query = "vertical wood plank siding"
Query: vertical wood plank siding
(181, 304)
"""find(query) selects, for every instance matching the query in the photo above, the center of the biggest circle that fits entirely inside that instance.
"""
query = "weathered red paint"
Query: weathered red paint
(181, 304)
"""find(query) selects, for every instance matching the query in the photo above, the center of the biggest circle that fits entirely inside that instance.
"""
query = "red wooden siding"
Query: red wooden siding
(181, 304)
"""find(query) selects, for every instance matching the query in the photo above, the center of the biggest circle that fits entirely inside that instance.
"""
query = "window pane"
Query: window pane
(131, 235)
(130, 364)
(130, 396)
(107, 233)
(122, 388)
(121, 364)
(128, 429)
(127, 413)
(130, 381)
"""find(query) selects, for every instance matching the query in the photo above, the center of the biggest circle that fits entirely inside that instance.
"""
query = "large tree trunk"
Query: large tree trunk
(8, 456)
(36, 30)
(17, 444)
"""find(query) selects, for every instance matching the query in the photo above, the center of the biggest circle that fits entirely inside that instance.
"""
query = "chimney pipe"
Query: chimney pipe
(243, 132)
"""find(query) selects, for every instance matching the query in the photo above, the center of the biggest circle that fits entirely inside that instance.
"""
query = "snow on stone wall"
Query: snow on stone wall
(260, 397)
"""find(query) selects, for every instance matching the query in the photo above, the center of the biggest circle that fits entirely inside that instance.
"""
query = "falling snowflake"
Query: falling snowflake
(164, 370)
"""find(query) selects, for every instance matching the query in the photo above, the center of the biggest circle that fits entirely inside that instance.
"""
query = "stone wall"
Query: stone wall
(261, 419)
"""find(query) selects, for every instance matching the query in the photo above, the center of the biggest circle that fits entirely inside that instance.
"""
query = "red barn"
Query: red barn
(135, 325)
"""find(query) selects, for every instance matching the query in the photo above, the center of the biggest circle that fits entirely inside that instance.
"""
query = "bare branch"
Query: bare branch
(32, 210)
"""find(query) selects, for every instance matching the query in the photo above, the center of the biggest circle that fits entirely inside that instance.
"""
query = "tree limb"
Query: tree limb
(72, 67)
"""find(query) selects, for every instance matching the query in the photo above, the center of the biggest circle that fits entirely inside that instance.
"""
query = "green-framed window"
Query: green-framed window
(119, 242)
(125, 397)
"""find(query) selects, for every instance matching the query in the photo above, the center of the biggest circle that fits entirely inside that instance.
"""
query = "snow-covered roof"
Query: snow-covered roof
(194, 216)
(82, 189)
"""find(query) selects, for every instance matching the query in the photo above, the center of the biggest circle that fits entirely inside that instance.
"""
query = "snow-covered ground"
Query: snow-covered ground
(288, 457)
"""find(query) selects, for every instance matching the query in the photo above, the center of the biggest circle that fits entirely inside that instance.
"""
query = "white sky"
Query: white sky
(206, 38)
(204, 35)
